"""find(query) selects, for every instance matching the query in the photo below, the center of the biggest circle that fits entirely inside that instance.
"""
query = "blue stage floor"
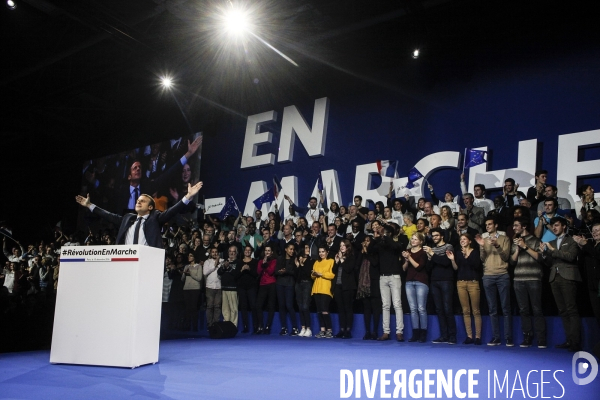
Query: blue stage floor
(274, 367)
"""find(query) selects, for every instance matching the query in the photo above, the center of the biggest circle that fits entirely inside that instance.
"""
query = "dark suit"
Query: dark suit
(564, 275)
(334, 247)
(357, 241)
(148, 186)
(151, 227)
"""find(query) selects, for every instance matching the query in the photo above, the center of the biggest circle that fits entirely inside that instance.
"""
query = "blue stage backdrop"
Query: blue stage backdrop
(542, 115)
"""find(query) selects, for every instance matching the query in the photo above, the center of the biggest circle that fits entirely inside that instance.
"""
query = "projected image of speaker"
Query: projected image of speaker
(222, 330)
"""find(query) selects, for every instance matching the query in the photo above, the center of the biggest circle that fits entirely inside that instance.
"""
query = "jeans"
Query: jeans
(469, 294)
(442, 292)
(500, 284)
(391, 289)
(565, 295)
(527, 291)
(214, 300)
(285, 297)
(416, 292)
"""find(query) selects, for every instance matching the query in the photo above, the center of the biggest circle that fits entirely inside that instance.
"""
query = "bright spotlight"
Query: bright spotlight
(235, 21)
(11, 5)
(415, 54)
(166, 82)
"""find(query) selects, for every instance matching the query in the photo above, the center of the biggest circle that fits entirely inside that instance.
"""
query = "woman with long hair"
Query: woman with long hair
(447, 218)
(322, 275)
(345, 287)
(266, 289)
(248, 288)
(192, 278)
(332, 212)
(468, 264)
(417, 286)
(368, 289)
(304, 267)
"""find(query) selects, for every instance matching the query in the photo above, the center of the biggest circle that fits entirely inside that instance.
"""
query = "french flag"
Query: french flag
(387, 168)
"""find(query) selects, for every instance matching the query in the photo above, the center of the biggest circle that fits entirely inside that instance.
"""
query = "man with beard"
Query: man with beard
(442, 285)
(526, 257)
(560, 255)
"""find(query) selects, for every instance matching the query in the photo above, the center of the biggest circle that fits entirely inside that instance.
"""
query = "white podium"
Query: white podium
(108, 305)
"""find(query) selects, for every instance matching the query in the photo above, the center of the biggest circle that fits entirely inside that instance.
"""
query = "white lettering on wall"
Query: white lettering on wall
(294, 124)
(524, 174)
(568, 166)
(254, 138)
(331, 187)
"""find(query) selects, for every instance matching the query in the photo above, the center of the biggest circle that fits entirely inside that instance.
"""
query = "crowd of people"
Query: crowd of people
(436, 256)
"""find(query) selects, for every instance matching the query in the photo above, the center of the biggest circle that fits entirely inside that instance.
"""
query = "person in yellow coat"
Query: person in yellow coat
(322, 275)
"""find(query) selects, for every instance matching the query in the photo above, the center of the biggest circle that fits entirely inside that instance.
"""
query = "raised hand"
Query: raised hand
(193, 190)
(193, 146)
(83, 201)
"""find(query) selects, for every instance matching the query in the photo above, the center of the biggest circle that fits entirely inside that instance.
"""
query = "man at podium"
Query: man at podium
(144, 227)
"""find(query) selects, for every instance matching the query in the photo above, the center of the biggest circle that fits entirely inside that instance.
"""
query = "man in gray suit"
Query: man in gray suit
(561, 255)
(476, 214)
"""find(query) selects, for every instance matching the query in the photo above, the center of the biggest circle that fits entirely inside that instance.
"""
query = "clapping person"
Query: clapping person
(192, 278)
(345, 287)
(368, 288)
(468, 264)
(248, 288)
(322, 275)
(284, 274)
(266, 290)
(304, 267)
(417, 286)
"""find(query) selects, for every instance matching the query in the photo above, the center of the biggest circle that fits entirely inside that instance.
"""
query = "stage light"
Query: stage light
(11, 5)
(166, 82)
(235, 21)
(415, 53)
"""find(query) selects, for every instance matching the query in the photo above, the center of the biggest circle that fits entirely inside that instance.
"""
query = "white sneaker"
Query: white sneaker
(302, 332)
(307, 333)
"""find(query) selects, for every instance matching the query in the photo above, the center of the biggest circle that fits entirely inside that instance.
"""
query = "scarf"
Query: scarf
(364, 280)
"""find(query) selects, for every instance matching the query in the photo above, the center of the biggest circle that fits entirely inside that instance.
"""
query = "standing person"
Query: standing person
(229, 271)
(417, 286)
(591, 262)
(468, 264)
(535, 194)
(368, 288)
(266, 289)
(322, 276)
(214, 297)
(345, 287)
(284, 275)
(495, 252)
(147, 229)
(442, 285)
(390, 283)
(248, 288)
(561, 255)
(304, 267)
(528, 273)
(192, 278)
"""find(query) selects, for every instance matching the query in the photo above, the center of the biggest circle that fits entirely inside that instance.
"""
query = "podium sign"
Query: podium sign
(108, 305)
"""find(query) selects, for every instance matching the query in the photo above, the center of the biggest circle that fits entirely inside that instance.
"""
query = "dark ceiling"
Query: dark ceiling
(79, 78)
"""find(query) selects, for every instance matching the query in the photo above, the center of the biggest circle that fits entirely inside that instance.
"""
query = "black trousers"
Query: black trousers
(372, 308)
(345, 302)
(247, 301)
(266, 293)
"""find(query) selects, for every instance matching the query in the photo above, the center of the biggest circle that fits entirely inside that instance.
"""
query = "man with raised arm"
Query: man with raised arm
(144, 226)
